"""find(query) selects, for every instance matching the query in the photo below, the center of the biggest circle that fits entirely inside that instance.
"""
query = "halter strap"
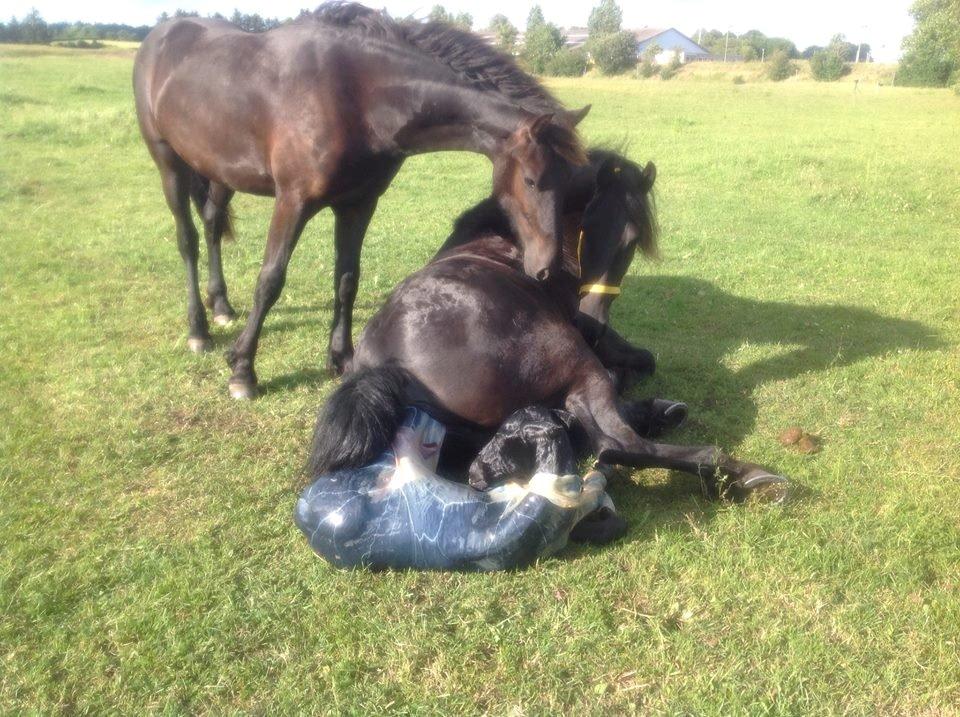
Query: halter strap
(599, 289)
(593, 288)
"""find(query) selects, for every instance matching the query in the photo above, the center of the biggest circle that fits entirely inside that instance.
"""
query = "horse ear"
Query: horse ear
(649, 176)
(573, 117)
(539, 124)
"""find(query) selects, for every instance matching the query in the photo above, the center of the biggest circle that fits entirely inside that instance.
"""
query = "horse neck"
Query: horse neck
(460, 118)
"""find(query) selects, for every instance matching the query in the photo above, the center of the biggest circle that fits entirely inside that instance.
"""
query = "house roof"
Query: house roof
(648, 33)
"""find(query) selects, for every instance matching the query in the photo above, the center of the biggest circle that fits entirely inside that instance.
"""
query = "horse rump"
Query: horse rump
(358, 422)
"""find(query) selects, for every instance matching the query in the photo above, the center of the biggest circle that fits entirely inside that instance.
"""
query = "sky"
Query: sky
(882, 23)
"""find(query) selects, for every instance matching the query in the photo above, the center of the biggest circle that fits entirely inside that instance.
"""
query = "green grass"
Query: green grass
(149, 560)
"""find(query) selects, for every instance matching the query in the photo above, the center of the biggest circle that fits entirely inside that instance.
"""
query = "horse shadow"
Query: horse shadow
(693, 327)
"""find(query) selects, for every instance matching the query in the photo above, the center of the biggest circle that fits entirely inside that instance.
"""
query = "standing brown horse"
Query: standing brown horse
(321, 113)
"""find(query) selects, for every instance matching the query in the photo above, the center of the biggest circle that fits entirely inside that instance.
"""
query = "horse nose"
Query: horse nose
(543, 275)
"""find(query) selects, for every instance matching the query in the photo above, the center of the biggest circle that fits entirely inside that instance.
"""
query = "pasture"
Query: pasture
(809, 277)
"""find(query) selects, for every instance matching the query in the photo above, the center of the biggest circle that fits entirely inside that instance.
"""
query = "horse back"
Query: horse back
(252, 110)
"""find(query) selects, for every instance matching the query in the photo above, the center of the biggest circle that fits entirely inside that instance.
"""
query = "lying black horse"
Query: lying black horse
(322, 112)
(470, 339)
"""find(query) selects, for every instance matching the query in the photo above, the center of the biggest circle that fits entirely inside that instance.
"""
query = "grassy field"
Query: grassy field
(809, 278)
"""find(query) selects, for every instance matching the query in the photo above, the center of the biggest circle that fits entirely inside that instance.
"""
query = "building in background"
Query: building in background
(670, 41)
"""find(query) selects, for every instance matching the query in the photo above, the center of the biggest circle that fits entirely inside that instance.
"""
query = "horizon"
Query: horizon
(814, 23)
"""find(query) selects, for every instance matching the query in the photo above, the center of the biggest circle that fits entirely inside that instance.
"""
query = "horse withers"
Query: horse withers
(322, 112)
(475, 340)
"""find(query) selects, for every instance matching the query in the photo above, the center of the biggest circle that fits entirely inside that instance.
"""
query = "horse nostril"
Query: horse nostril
(543, 275)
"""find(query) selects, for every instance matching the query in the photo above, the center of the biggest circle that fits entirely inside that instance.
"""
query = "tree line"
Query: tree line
(932, 57)
(33, 29)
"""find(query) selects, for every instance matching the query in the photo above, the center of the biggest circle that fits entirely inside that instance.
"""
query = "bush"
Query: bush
(614, 53)
(924, 69)
(672, 69)
(827, 66)
(780, 67)
(648, 68)
(569, 62)
(83, 44)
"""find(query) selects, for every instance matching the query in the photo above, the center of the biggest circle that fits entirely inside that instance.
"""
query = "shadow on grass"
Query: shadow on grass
(695, 326)
(294, 379)
(692, 326)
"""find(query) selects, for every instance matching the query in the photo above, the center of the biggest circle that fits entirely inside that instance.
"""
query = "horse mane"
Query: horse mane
(483, 219)
(474, 61)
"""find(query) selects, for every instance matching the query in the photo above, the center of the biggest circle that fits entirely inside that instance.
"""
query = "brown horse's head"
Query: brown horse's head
(531, 170)
(619, 218)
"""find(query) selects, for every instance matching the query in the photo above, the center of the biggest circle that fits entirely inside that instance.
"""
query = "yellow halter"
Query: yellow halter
(593, 288)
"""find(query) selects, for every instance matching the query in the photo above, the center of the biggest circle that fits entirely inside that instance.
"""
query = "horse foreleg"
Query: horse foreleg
(216, 222)
(290, 213)
(593, 402)
(349, 229)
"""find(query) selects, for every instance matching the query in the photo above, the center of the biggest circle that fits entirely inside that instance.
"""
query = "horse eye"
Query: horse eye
(529, 182)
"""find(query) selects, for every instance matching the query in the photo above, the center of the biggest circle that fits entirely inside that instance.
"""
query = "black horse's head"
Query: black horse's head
(619, 217)
(531, 171)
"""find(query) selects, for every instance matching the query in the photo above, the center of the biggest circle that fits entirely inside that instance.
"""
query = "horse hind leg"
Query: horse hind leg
(212, 200)
(350, 226)
(176, 177)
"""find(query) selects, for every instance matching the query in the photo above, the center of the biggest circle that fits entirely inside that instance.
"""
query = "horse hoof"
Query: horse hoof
(242, 391)
(223, 319)
(675, 415)
(762, 488)
(199, 345)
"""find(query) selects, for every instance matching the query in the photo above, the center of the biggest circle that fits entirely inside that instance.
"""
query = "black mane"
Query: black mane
(482, 66)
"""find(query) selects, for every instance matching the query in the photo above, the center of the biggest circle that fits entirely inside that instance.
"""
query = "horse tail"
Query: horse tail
(359, 420)
(200, 193)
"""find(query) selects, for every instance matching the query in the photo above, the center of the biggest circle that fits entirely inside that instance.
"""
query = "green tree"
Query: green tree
(932, 52)
(12, 32)
(464, 20)
(605, 19)
(440, 14)
(505, 32)
(535, 18)
(540, 44)
(839, 46)
(33, 28)
(568, 62)
(614, 53)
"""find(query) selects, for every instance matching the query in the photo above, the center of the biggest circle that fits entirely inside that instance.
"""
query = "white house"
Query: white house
(670, 41)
